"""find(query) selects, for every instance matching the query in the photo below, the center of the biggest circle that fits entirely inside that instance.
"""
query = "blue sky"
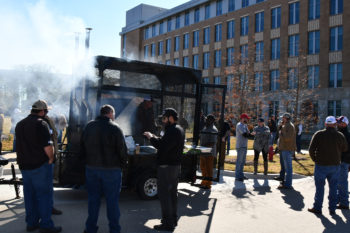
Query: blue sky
(106, 17)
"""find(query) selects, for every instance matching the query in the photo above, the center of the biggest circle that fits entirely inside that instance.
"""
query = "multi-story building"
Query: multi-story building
(273, 55)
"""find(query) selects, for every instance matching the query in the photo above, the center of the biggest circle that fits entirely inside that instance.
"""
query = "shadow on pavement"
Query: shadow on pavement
(240, 190)
(339, 224)
(263, 188)
(293, 198)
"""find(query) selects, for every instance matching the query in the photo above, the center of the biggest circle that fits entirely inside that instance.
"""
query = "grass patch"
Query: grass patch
(303, 165)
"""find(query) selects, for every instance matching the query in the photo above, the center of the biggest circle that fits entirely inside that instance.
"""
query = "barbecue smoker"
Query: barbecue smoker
(125, 85)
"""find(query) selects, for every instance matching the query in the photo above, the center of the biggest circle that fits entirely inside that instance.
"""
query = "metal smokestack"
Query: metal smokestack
(87, 40)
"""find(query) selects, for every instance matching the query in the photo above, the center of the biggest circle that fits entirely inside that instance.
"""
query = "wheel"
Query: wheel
(147, 188)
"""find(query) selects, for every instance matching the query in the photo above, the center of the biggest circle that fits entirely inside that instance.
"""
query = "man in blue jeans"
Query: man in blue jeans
(242, 134)
(103, 147)
(343, 186)
(35, 155)
(325, 150)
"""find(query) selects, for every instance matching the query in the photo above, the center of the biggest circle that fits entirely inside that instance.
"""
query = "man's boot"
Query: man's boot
(255, 167)
(266, 166)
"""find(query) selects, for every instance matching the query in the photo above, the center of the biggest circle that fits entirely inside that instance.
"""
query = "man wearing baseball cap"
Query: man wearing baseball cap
(35, 154)
(343, 192)
(325, 150)
(242, 134)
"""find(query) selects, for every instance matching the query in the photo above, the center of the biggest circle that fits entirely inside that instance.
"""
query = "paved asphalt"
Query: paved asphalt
(255, 206)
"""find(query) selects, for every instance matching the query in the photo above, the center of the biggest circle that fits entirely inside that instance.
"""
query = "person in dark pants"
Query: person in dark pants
(261, 144)
(103, 147)
(35, 155)
(170, 149)
(343, 185)
(325, 150)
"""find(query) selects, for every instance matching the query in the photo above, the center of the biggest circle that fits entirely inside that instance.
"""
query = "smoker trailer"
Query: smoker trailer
(124, 84)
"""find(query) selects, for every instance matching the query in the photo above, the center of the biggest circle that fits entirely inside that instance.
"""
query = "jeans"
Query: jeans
(283, 169)
(167, 193)
(331, 173)
(37, 190)
(228, 144)
(343, 190)
(298, 142)
(241, 156)
(105, 182)
(287, 162)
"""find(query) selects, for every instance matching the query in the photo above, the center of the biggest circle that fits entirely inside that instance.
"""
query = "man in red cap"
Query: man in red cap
(242, 134)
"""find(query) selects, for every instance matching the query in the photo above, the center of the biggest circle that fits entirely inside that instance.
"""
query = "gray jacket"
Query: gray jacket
(241, 141)
(261, 138)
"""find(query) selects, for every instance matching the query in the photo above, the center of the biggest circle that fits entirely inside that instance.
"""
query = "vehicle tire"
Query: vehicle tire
(147, 188)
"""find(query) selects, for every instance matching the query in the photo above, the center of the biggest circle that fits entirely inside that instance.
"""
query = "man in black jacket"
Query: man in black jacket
(103, 148)
(170, 148)
(343, 193)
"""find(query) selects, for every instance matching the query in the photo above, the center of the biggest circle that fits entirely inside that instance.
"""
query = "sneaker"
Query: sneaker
(50, 230)
(342, 207)
(282, 186)
(56, 211)
(32, 228)
(313, 210)
(163, 227)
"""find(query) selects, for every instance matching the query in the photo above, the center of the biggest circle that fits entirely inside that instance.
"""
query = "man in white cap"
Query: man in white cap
(325, 150)
(343, 192)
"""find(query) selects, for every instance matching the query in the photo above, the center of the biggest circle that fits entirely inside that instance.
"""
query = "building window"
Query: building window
(217, 80)
(176, 62)
(230, 56)
(259, 51)
(274, 80)
(335, 75)
(259, 22)
(177, 43)
(314, 42)
(195, 61)
(196, 15)
(161, 28)
(167, 62)
(336, 7)
(206, 61)
(153, 50)
(313, 76)
(334, 108)
(146, 36)
(187, 18)
(292, 78)
(245, 3)
(218, 7)
(217, 58)
(294, 13)
(206, 39)
(207, 12)
(244, 54)
(231, 5)
(195, 38)
(218, 32)
(145, 52)
(185, 62)
(244, 25)
(230, 29)
(258, 82)
(274, 109)
(336, 42)
(186, 40)
(160, 47)
(314, 9)
(293, 46)
(257, 1)
(275, 49)
(169, 25)
(230, 82)
(276, 17)
(206, 80)
(177, 22)
(168, 45)
(153, 30)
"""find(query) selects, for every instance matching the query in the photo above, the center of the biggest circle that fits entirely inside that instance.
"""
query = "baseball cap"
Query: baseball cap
(330, 120)
(170, 112)
(244, 115)
(40, 105)
(261, 120)
(343, 119)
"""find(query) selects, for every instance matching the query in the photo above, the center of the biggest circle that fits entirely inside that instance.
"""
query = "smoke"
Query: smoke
(39, 58)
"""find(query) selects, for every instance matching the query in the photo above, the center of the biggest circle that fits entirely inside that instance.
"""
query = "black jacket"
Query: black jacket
(345, 156)
(170, 146)
(103, 144)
